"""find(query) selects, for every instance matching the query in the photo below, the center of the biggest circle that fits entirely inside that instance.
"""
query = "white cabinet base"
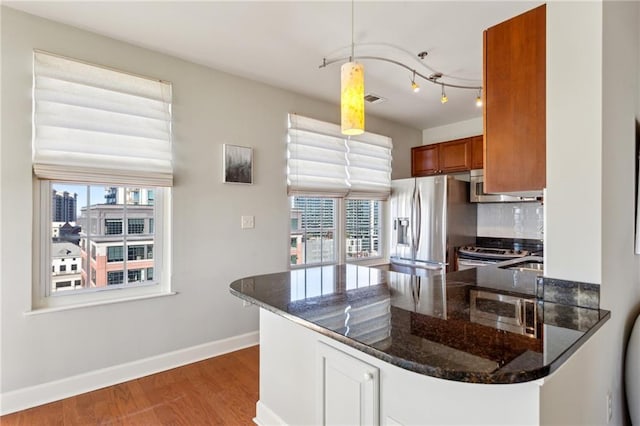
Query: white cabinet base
(289, 388)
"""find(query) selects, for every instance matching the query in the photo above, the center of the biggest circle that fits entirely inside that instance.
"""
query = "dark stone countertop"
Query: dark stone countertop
(437, 325)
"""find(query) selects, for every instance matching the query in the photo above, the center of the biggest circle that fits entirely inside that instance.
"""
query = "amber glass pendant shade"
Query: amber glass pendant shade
(352, 98)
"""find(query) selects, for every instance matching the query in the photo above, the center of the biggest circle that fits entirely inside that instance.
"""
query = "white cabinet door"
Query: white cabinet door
(347, 389)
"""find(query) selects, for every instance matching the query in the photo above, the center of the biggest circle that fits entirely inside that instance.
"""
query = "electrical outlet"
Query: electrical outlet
(247, 222)
(609, 407)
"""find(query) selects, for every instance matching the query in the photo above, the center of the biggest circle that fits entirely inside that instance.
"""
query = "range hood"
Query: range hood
(477, 194)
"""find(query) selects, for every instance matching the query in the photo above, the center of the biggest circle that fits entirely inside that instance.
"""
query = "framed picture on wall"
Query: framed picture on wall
(238, 164)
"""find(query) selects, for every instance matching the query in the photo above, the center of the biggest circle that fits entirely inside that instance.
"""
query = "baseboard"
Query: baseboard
(44, 393)
(266, 417)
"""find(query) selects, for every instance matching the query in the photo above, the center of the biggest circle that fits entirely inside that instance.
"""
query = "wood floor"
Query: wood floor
(218, 391)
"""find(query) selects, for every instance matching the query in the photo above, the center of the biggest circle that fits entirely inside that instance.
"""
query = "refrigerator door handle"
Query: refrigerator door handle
(418, 206)
(413, 223)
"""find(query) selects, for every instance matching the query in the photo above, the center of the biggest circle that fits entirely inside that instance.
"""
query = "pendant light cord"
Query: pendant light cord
(352, 31)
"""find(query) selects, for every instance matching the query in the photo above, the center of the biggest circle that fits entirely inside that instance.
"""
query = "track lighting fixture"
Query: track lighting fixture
(434, 78)
(414, 86)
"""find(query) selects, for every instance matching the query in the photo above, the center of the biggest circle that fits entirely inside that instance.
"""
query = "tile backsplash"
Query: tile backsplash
(511, 220)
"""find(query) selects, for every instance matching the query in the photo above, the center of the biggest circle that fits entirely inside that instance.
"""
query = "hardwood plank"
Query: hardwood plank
(220, 390)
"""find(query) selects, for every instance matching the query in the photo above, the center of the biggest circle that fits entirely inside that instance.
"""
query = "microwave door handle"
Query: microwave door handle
(520, 314)
(529, 328)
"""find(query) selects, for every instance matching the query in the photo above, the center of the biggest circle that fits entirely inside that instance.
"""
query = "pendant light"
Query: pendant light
(352, 93)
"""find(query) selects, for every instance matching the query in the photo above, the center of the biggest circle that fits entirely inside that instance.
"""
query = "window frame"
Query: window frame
(44, 299)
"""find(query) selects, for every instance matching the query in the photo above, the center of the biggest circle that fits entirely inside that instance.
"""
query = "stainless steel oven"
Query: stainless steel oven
(504, 312)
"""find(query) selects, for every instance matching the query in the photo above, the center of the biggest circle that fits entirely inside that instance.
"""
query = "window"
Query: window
(111, 246)
(63, 284)
(115, 254)
(136, 226)
(337, 186)
(362, 228)
(149, 274)
(134, 275)
(115, 277)
(135, 252)
(113, 226)
(102, 153)
(315, 242)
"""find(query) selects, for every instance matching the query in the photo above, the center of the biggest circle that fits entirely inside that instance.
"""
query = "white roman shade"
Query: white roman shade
(316, 158)
(369, 157)
(97, 125)
(322, 163)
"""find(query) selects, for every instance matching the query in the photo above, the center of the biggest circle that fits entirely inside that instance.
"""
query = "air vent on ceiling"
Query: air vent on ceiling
(373, 99)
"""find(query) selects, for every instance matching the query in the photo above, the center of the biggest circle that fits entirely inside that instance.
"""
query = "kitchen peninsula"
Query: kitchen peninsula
(351, 344)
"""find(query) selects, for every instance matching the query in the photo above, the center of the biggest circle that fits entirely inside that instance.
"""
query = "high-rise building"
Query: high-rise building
(63, 206)
(362, 227)
(131, 196)
(116, 248)
(313, 229)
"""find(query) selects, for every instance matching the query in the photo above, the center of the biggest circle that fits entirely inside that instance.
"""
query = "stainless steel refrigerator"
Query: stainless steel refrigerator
(431, 216)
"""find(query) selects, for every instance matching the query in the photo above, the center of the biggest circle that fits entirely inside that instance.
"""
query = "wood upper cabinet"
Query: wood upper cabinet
(514, 82)
(446, 157)
(477, 152)
(455, 156)
(425, 160)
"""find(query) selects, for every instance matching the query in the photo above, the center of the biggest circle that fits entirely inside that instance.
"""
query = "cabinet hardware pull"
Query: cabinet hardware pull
(368, 376)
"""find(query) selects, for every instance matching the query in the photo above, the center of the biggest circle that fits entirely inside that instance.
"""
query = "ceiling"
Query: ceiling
(284, 43)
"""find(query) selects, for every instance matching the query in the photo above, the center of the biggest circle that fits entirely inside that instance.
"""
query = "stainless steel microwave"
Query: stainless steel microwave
(477, 194)
(504, 312)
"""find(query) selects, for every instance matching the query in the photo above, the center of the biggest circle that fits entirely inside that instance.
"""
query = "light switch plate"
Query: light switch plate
(247, 222)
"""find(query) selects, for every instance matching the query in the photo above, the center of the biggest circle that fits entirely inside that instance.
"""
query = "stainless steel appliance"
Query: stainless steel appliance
(430, 217)
(477, 194)
(504, 312)
(472, 256)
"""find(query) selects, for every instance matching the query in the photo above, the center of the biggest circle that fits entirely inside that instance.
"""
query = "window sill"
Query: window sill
(46, 310)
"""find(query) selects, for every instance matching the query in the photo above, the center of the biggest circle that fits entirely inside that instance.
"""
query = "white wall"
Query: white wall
(458, 130)
(574, 140)
(590, 164)
(209, 248)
